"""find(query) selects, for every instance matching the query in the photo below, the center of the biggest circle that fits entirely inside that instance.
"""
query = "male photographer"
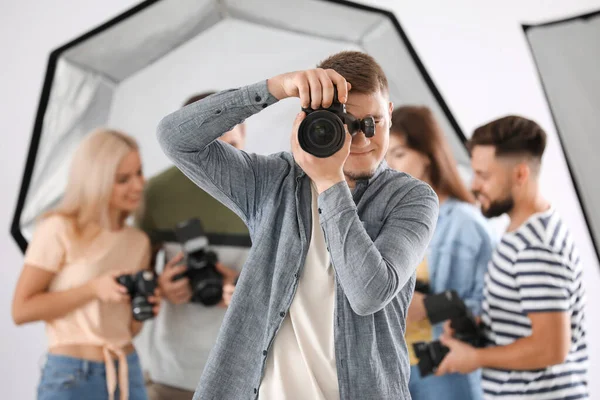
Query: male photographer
(175, 347)
(320, 305)
(533, 310)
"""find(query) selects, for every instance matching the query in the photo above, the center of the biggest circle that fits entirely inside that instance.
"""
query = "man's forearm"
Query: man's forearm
(233, 177)
(373, 272)
(194, 127)
(524, 354)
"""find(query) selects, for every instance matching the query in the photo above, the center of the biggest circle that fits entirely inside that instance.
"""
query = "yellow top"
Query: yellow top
(419, 331)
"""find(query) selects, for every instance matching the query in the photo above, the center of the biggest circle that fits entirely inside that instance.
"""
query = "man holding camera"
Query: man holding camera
(319, 309)
(533, 310)
(174, 347)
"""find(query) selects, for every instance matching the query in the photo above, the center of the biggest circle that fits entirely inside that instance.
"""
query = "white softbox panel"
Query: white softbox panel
(133, 70)
(567, 55)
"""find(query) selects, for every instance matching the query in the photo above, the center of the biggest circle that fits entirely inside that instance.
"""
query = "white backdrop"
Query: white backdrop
(475, 52)
(175, 78)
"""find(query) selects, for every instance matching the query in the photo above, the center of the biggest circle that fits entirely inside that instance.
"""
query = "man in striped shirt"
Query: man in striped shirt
(533, 311)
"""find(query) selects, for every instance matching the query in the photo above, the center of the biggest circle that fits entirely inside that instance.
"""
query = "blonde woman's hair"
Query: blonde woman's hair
(92, 176)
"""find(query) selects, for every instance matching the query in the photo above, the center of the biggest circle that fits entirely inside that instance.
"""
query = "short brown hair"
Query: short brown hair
(418, 126)
(197, 97)
(511, 135)
(360, 69)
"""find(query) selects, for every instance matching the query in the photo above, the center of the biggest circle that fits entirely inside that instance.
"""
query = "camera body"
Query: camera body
(322, 132)
(140, 286)
(441, 307)
(422, 287)
(205, 281)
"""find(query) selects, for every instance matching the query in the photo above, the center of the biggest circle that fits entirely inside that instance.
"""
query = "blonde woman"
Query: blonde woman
(69, 277)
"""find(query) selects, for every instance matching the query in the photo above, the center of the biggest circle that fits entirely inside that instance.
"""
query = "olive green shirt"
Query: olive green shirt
(172, 198)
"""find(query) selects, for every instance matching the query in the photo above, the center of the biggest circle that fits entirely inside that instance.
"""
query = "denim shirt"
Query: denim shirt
(376, 236)
(459, 253)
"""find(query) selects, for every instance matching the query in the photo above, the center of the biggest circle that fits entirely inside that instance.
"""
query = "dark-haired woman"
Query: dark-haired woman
(459, 251)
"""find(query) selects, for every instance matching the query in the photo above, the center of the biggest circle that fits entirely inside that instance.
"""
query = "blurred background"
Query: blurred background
(471, 61)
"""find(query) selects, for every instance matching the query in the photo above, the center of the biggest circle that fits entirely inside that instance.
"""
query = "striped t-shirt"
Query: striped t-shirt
(535, 268)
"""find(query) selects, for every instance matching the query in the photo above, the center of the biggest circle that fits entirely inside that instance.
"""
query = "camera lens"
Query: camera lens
(141, 308)
(321, 133)
(207, 286)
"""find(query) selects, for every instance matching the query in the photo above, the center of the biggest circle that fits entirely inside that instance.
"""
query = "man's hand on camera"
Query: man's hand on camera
(229, 277)
(179, 291)
(324, 172)
(462, 358)
(314, 87)
(448, 331)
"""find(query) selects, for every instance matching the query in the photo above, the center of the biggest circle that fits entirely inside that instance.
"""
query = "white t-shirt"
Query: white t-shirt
(301, 361)
(176, 357)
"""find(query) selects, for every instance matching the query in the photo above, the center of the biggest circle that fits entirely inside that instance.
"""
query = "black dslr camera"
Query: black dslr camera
(140, 286)
(206, 282)
(322, 132)
(441, 307)
(422, 287)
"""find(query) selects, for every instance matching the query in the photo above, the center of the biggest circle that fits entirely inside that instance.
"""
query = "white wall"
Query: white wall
(476, 54)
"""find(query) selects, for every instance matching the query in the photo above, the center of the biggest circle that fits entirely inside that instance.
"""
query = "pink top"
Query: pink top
(55, 248)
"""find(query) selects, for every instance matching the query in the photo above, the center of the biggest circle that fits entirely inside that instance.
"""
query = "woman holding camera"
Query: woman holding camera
(458, 253)
(69, 280)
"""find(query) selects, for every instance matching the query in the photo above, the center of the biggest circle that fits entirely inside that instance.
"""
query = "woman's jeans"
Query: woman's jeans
(446, 387)
(69, 378)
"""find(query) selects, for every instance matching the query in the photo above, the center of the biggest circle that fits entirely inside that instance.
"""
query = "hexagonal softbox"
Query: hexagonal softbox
(143, 64)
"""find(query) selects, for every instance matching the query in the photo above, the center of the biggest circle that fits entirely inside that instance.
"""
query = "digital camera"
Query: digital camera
(205, 281)
(441, 307)
(322, 133)
(140, 286)
(422, 287)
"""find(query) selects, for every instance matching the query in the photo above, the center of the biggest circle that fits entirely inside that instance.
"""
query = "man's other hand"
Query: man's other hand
(461, 359)
(179, 291)
(229, 277)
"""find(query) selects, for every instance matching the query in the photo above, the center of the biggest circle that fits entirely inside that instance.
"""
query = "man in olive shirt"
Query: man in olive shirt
(175, 346)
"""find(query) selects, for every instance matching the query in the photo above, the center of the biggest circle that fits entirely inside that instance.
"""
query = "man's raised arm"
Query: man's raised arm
(189, 136)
